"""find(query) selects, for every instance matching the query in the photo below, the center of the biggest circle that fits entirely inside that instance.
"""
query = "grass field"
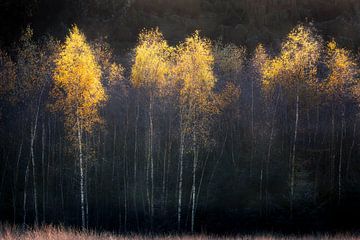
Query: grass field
(59, 233)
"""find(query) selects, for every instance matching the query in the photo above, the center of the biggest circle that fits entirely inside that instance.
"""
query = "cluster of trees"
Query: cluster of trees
(176, 137)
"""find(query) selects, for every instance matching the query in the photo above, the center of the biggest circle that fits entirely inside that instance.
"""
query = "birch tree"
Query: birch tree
(78, 93)
(34, 64)
(342, 77)
(150, 72)
(295, 72)
(194, 68)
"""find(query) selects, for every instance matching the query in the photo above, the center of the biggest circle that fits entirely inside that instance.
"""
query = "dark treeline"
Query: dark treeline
(244, 22)
(273, 142)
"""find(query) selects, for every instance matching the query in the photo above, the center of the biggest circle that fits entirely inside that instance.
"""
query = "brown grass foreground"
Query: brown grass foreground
(60, 233)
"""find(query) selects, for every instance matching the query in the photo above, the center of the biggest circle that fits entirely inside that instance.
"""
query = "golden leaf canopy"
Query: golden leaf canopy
(77, 78)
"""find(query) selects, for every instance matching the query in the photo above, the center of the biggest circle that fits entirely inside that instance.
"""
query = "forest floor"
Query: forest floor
(58, 233)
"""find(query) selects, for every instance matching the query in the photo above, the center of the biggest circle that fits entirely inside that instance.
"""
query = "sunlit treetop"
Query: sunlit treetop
(195, 68)
(196, 80)
(152, 64)
(296, 66)
(77, 78)
(343, 72)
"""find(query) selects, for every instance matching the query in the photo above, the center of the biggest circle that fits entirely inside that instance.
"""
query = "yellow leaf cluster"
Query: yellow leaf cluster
(343, 72)
(194, 70)
(195, 76)
(152, 64)
(187, 71)
(77, 78)
(296, 66)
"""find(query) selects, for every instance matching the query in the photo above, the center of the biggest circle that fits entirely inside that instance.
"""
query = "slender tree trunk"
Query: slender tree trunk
(25, 193)
(86, 190)
(193, 188)
(261, 188)
(151, 158)
(163, 190)
(341, 152)
(61, 182)
(34, 174)
(332, 157)
(180, 182)
(293, 157)
(316, 180)
(32, 156)
(165, 159)
(125, 173)
(269, 148)
(82, 191)
(113, 154)
(15, 181)
(43, 172)
(135, 164)
(252, 128)
(351, 150)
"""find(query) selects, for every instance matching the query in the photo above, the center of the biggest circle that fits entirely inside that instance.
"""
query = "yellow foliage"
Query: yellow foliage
(343, 72)
(195, 76)
(78, 90)
(295, 69)
(152, 64)
(194, 68)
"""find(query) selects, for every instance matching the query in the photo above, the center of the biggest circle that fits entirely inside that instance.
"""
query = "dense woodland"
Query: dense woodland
(243, 22)
(191, 135)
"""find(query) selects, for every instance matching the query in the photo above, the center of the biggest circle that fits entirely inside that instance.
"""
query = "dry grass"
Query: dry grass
(59, 233)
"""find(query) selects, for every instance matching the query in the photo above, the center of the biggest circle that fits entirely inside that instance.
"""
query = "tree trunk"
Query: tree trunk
(25, 193)
(43, 172)
(351, 149)
(252, 128)
(82, 192)
(125, 173)
(341, 152)
(33, 130)
(180, 182)
(193, 188)
(293, 157)
(332, 157)
(15, 181)
(135, 164)
(151, 158)
(267, 163)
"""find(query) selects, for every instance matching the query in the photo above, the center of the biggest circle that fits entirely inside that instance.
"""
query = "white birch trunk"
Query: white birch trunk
(82, 192)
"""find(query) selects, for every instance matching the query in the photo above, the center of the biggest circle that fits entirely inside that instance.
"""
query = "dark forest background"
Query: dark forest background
(240, 186)
(238, 21)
